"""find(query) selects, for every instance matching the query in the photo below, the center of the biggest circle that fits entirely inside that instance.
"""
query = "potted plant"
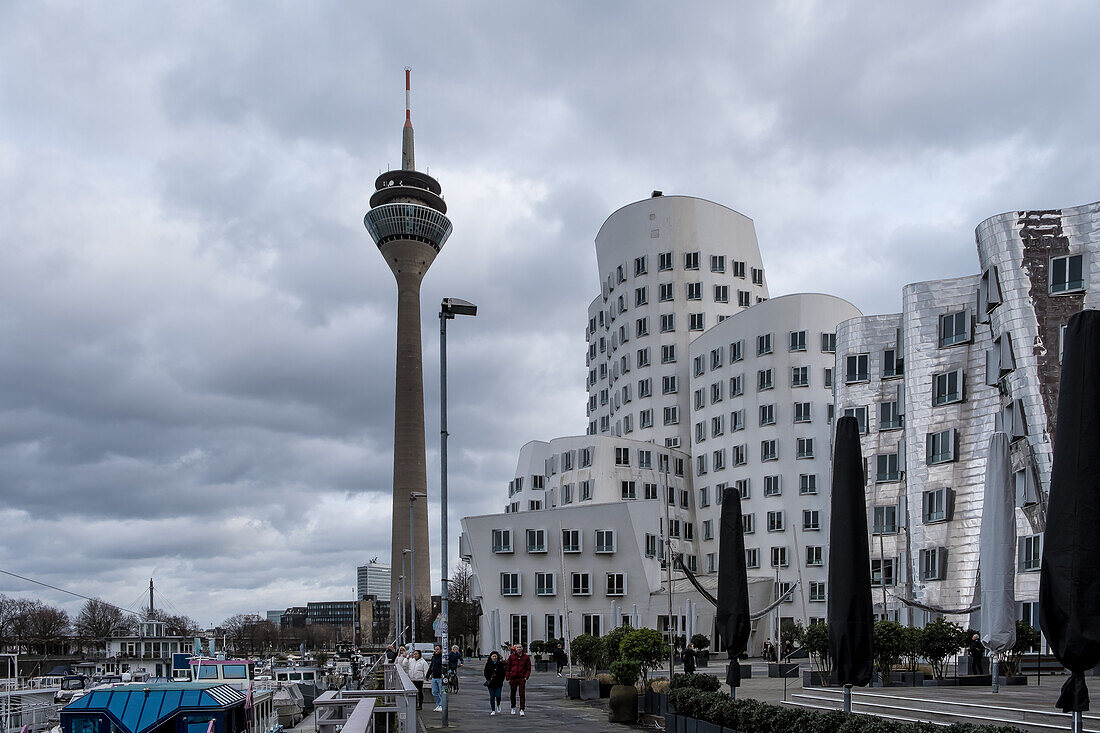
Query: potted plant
(623, 701)
(587, 652)
(644, 646)
(888, 642)
(911, 655)
(815, 640)
(940, 640)
(1027, 639)
(537, 647)
(701, 642)
(612, 643)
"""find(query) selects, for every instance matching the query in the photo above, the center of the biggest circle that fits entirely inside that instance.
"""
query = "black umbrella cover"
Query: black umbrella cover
(851, 613)
(733, 585)
(1069, 584)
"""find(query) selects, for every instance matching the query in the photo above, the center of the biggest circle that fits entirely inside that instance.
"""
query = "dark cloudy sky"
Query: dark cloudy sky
(196, 332)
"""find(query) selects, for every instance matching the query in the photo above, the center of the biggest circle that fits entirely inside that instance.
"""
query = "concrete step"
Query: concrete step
(944, 712)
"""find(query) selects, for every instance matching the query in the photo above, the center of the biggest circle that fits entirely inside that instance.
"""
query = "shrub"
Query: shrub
(703, 682)
(587, 652)
(939, 640)
(1027, 638)
(911, 647)
(660, 685)
(815, 640)
(888, 642)
(605, 679)
(626, 672)
(537, 647)
(612, 643)
(644, 646)
(700, 641)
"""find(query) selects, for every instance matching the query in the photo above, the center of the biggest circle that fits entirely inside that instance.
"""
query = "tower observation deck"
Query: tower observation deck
(408, 221)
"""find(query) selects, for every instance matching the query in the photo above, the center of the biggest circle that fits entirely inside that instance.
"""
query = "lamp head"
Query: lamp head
(451, 307)
(413, 496)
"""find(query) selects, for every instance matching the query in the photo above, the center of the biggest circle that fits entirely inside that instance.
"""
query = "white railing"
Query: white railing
(364, 711)
(39, 716)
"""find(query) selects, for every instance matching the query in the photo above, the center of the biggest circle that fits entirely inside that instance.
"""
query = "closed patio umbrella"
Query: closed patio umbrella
(850, 610)
(1069, 585)
(997, 552)
(732, 616)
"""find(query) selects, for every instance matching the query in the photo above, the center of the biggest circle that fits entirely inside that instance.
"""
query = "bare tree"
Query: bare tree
(99, 620)
(45, 627)
(175, 625)
(463, 611)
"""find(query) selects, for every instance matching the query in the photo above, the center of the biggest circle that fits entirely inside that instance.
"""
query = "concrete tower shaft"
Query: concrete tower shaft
(408, 222)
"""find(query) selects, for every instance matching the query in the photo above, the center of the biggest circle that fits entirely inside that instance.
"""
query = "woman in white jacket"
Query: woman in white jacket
(418, 672)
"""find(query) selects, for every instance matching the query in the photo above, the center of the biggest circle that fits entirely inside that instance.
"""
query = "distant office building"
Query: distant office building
(275, 617)
(372, 579)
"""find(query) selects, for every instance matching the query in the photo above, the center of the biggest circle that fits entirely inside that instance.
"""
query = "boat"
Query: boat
(170, 707)
(289, 705)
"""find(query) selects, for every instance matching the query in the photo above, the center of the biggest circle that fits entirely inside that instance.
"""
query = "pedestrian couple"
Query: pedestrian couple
(516, 669)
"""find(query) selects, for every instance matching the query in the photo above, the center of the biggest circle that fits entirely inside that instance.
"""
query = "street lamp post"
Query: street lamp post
(401, 607)
(413, 496)
(448, 309)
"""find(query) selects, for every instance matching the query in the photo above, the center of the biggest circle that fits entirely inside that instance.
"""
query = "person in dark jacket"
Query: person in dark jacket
(517, 669)
(977, 655)
(390, 654)
(494, 680)
(689, 659)
(561, 658)
(435, 671)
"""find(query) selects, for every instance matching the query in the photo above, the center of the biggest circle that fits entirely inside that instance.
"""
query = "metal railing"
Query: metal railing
(39, 716)
(364, 711)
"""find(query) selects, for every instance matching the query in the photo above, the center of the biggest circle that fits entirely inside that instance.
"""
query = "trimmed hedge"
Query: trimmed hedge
(704, 682)
(754, 716)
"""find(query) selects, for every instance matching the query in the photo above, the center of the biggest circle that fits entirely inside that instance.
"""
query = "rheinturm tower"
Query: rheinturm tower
(408, 222)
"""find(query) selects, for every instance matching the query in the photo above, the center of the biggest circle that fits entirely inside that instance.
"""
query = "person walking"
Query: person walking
(689, 659)
(977, 655)
(418, 671)
(517, 670)
(494, 680)
(435, 671)
(454, 661)
(561, 658)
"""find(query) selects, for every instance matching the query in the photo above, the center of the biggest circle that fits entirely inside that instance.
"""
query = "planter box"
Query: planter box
(746, 671)
(776, 669)
(813, 678)
(590, 689)
(974, 680)
(605, 689)
(700, 661)
(1014, 680)
(941, 683)
(912, 679)
(662, 703)
(688, 725)
(542, 666)
(705, 727)
(573, 688)
(671, 722)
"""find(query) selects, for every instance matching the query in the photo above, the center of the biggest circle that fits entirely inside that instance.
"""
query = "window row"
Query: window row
(571, 541)
(580, 584)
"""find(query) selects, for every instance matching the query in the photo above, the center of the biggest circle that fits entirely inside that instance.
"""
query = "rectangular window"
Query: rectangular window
(954, 328)
(586, 490)
(700, 399)
(817, 591)
(752, 558)
(885, 519)
(652, 546)
(674, 528)
(737, 455)
(828, 343)
(708, 527)
(712, 562)
(807, 484)
(664, 261)
(645, 419)
(811, 520)
(544, 584)
(805, 448)
(737, 386)
(891, 364)
(566, 494)
(775, 521)
(1031, 553)
(691, 260)
(571, 540)
(695, 291)
(641, 296)
(767, 414)
(947, 387)
(737, 420)
(737, 351)
(860, 414)
(772, 486)
(738, 268)
(643, 354)
(502, 540)
(715, 393)
(763, 344)
(645, 387)
(509, 584)
(764, 379)
(645, 459)
(855, 369)
(696, 321)
(800, 376)
(704, 496)
(586, 457)
(888, 416)
(716, 357)
(669, 384)
(536, 540)
(884, 572)
(814, 556)
(668, 353)
(641, 328)
(741, 486)
(748, 523)
(717, 263)
(605, 541)
(1067, 274)
(802, 412)
(668, 322)
(757, 276)
(672, 415)
(933, 563)
(941, 446)
(887, 468)
(721, 293)
(798, 341)
(616, 584)
(828, 378)
(937, 505)
(779, 557)
(664, 292)
(629, 490)
(581, 584)
(650, 491)
(640, 266)
(717, 426)
(622, 456)
(768, 450)
(592, 623)
(700, 464)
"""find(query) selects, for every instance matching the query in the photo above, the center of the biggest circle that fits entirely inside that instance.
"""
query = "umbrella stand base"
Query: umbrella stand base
(847, 698)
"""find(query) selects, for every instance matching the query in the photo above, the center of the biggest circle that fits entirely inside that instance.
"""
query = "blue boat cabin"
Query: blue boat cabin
(174, 707)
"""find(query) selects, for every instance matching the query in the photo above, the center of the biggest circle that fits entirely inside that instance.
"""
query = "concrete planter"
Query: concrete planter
(622, 704)
(590, 689)
(573, 688)
(704, 727)
(814, 678)
(542, 666)
(941, 683)
(1014, 680)
(605, 689)
(671, 723)
(777, 669)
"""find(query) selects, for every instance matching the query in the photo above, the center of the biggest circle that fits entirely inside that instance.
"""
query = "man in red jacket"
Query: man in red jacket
(516, 670)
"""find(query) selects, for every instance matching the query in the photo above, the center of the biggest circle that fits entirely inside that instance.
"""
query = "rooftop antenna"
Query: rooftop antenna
(408, 161)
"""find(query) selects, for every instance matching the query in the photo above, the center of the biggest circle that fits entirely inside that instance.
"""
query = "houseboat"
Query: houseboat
(170, 707)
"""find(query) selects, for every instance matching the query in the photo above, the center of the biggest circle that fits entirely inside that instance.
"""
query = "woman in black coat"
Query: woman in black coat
(494, 680)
